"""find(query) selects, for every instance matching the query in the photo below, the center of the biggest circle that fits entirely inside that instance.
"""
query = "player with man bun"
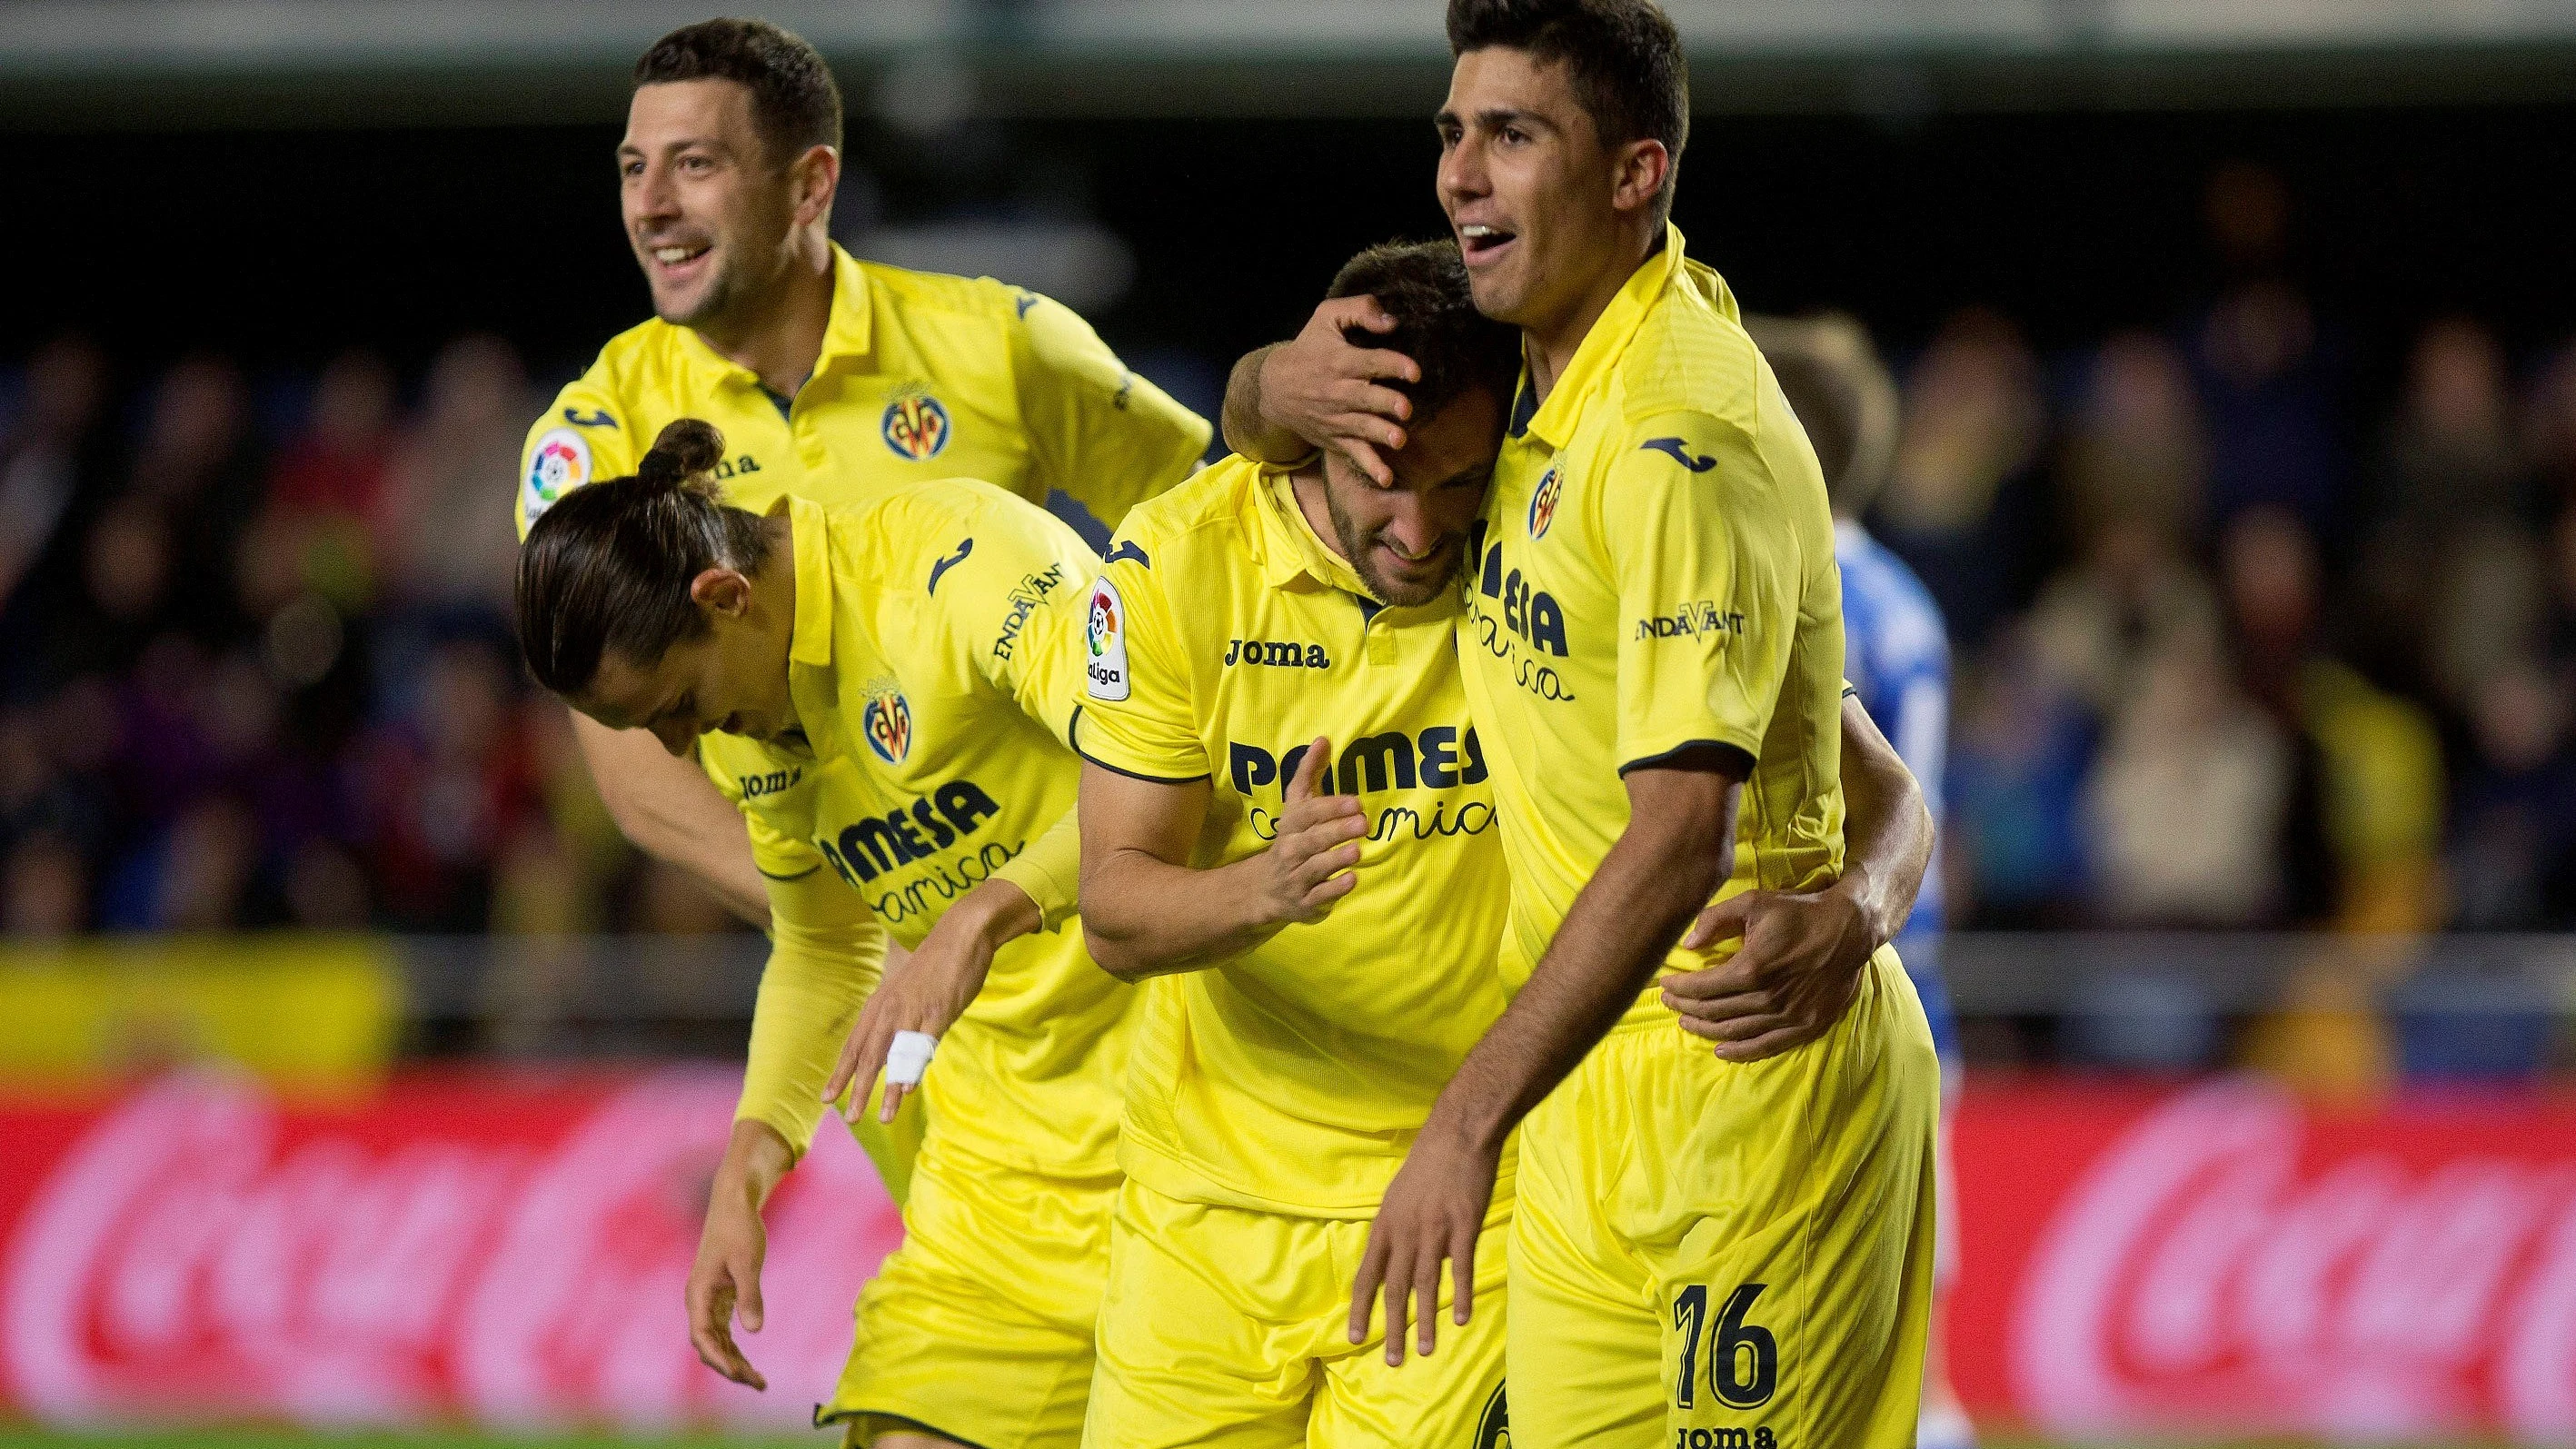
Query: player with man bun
(894, 680)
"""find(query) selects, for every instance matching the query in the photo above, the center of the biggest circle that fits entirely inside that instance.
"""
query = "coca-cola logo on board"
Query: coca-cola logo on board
(201, 1251)
(2217, 1265)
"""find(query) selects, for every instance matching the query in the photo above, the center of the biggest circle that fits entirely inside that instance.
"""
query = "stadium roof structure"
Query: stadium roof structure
(89, 63)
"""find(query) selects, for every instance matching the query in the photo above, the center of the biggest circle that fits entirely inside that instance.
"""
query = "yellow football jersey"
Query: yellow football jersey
(1654, 571)
(1224, 637)
(921, 376)
(934, 668)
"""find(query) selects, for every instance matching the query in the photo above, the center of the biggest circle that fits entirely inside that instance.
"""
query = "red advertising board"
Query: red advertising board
(2222, 1257)
(511, 1250)
(508, 1250)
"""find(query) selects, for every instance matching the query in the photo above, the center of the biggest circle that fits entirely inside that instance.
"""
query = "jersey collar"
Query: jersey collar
(846, 335)
(1289, 545)
(811, 641)
(1602, 347)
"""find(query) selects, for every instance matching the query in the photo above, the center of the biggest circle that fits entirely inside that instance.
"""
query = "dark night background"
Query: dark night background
(280, 246)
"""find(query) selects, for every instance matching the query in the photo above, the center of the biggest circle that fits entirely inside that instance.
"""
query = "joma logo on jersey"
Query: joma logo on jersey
(1699, 619)
(915, 426)
(1531, 613)
(899, 837)
(755, 787)
(1024, 598)
(1440, 758)
(887, 722)
(731, 467)
(1276, 653)
(1761, 1438)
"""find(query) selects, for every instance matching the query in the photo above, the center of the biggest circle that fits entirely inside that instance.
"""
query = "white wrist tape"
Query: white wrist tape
(908, 1057)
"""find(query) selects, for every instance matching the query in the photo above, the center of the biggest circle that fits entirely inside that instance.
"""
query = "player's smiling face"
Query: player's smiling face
(732, 678)
(1532, 193)
(1406, 542)
(707, 210)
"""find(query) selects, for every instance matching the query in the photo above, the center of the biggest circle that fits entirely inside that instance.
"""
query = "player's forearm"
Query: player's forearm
(667, 809)
(1246, 430)
(1888, 830)
(813, 988)
(1143, 916)
(756, 1159)
(1658, 875)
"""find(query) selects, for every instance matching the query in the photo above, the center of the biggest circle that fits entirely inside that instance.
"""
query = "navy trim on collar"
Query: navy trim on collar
(1524, 406)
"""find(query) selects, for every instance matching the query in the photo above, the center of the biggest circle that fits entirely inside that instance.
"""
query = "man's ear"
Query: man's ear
(721, 591)
(1641, 167)
(817, 177)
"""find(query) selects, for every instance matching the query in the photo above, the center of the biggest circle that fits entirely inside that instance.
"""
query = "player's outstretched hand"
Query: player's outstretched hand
(931, 990)
(1310, 861)
(1793, 978)
(726, 1281)
(1332, 393)
(1432, 1213)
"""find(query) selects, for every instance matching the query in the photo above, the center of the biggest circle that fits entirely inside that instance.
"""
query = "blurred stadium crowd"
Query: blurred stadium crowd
(2242, 639)
(264, 675)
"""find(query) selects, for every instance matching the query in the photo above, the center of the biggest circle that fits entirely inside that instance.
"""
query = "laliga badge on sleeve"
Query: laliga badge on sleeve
(1105, 635)
(558, 464)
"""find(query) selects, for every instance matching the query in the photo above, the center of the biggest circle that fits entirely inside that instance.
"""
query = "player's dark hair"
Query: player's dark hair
(1423, 286)
(795, 103)
(1626, 61)
(609, 565)
(1843, 397)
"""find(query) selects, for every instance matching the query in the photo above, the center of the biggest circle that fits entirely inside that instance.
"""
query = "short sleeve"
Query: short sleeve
(584, 435)
(1139, 704)
(1101, 433)
(1008, 595)
(1708, 566)
(748, 773)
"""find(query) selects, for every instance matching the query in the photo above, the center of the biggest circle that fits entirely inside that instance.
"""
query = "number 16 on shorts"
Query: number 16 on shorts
(1724, 1361)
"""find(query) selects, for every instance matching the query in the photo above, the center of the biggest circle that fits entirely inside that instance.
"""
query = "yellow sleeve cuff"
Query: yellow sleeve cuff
(1050, 870)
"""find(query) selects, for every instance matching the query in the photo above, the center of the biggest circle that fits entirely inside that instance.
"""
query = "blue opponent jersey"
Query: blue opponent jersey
(1897, 656)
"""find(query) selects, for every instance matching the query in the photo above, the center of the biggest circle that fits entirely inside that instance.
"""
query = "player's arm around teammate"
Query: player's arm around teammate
(1804, 952)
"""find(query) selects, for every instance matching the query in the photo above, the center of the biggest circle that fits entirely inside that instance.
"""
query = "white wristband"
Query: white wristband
(908, 1056)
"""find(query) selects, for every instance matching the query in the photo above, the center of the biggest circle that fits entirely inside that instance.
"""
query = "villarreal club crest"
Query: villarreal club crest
(887, 722)
(1543, 502)
(915, 426)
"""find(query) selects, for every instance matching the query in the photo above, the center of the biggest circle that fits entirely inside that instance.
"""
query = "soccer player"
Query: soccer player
(1896, 653)
(1287, 822)
(1703, 1251)
(831, 378)
(897, 677)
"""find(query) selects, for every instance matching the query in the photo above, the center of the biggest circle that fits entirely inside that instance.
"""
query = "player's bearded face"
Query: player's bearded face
(707, 211)
(1527, 185)
(1406, 542)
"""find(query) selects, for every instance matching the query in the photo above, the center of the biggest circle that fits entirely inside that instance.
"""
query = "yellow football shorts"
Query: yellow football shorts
(1230, 1327)
(891, 1146)
(979, 1327)
(1710, 1256)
